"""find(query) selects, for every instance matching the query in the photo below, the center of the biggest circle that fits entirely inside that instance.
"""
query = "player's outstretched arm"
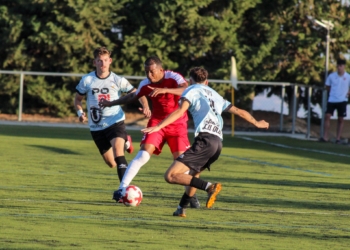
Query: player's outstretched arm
(248, 117)
(145, 107)
(170, 119)
(129, 98)
(173, 91)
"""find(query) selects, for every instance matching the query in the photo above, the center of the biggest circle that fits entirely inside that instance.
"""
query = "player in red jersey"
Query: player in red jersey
(164, 88)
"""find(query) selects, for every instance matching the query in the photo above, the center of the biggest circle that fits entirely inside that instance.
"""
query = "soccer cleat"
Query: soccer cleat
(213, 191)
(130, 147)
(181, 212)
(194, 203)
(118, 196)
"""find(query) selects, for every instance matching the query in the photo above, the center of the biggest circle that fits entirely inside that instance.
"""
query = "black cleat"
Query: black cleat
(181, 212)
(194, 203)
(118, 196)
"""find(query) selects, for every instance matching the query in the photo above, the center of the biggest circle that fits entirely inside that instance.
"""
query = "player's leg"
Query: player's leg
(135, 165)
(327, 121)
(118, 153)
(104, 147)
(175, 175)
(116, 134)
(340, 125)
(341, 110)
(204, 151)
(188, 199)
(109, 159)
(150, 144)
(177, 139)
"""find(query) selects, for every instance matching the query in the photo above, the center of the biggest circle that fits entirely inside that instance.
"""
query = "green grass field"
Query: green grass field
(278, 193)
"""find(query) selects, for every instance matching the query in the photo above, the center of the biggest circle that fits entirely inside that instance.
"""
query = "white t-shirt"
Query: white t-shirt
(340, 86)
(109, 88)
(206, 106)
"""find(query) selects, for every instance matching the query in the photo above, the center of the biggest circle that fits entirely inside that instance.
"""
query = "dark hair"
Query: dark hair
(198, 74)
(341, 62)
(101, 51)
(153, 60)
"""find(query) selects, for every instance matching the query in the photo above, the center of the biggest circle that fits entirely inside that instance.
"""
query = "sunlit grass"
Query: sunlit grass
(56, 193)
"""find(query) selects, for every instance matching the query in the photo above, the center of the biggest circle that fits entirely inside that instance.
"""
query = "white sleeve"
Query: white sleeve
(176, 76)
(125, 85)
(81, 87)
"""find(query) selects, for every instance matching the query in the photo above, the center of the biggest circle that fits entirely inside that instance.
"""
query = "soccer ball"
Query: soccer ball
(133, 196)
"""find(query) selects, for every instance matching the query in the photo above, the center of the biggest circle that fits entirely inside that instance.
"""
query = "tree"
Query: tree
(53, 36)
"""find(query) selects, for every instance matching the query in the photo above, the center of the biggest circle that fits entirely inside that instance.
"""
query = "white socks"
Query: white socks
(140, 159)
(208, 185)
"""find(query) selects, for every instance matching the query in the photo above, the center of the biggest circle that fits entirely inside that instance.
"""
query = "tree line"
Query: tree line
(271, 41)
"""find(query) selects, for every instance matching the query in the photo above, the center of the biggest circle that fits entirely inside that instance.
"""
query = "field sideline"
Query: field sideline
(278, 193)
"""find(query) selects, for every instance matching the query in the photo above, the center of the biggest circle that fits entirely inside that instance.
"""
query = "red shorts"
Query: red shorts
(175, 135)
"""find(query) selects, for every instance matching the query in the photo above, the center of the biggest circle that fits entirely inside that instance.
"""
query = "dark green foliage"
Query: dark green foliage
(271, 41)
(52, 36)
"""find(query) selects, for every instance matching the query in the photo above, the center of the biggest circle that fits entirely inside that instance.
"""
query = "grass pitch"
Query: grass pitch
(278, 193)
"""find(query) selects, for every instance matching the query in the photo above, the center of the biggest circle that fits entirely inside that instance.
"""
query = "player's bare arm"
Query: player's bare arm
(170, 119)
(248, 117)
(79, 107)
(145, 107)
(129, 98)
(174, 91)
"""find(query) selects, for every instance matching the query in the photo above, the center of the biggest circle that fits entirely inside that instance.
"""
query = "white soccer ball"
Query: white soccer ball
(133, 196)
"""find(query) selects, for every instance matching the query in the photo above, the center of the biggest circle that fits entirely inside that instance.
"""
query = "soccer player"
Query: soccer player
(106, 126)
(164, 88)
(205, 106)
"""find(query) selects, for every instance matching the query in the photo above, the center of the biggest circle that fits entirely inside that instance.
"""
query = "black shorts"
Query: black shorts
(339, 106)
(103, 137)
(204, 151)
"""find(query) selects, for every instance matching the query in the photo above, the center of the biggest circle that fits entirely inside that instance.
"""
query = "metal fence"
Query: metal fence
(309, 90)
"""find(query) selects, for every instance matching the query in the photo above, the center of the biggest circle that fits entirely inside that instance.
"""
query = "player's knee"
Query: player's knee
(110, 164)
(169, 178)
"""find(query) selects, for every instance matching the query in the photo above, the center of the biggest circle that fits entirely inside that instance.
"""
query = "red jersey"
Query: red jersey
(163, 104)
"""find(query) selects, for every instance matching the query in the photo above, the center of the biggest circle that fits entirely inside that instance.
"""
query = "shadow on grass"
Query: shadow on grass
(55, 132)
(307, 184)
(327, 152)
(276, 204)
(234, 227)
(55, 150)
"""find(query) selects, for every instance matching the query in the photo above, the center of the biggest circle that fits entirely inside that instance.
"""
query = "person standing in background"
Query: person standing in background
(338, 87)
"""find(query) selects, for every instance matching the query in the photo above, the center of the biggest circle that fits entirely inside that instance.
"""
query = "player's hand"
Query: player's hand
(146, 112)
(82, 118)
(262, 124)
(104, 103)
(150, 130)
(156, 91)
